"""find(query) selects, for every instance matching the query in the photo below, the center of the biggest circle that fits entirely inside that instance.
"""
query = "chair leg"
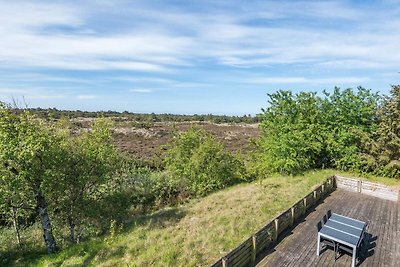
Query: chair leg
(334, 249)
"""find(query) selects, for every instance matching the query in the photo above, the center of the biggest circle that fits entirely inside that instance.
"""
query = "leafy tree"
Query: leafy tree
(85, 170)
(291, 133)
(389, 134)
(27, 153)
(15, 204)
(303, 131)
(350, 121)
(202, 163)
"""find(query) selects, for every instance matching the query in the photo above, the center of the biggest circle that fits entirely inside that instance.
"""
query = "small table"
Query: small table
(343, 230)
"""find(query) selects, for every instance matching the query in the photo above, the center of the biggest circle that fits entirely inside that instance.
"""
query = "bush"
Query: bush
(201, 164)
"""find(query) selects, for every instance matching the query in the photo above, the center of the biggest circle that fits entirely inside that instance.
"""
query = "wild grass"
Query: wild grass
(194, 234)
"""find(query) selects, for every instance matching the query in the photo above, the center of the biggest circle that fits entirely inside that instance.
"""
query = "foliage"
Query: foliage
(201, 163)
(306, 131)
(387, 150)
(84, 172)
(28, 152)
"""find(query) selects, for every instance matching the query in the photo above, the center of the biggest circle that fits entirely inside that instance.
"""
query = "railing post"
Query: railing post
(315, 196)
(254, 251)
(224, 262)
(292, 212)
(305, 205)
(276, 229)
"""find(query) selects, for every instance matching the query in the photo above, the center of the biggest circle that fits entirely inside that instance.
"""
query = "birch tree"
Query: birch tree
(27, 153)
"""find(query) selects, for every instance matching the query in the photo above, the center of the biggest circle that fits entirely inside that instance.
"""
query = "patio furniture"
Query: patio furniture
(326, 242)
(345, 232)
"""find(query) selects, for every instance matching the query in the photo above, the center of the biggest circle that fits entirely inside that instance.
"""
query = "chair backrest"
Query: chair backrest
(329, 213)
(366, 225)
(325, 219)
(319, 225)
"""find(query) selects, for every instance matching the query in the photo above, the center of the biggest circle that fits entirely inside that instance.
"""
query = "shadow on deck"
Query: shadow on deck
(298, 248)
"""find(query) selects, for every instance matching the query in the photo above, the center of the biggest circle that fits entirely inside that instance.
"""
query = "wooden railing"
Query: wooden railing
(368, 188)
(247, 252)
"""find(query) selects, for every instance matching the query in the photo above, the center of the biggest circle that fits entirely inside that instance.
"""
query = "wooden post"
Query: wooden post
(224, 262)
(305, 205)
(276, 229)
(315, 196)
(292, 212)
(254, 251)
(323, 188)
(358, 186)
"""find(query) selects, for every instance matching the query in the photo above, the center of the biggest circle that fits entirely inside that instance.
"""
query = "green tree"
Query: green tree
(85, 171)
(291, 133)
(388, 152)
(27, 153)
(350, 120)
(15, 204)
(303, 131)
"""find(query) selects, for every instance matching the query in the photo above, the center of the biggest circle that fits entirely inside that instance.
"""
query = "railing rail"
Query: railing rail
(368, 188)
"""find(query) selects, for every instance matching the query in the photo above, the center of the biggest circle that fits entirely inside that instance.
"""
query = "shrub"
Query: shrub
(201, 163)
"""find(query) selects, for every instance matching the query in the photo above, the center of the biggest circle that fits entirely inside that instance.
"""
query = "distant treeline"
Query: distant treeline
(152, 117)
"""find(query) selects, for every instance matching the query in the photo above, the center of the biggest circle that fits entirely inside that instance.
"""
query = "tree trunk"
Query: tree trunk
(16, 227)
(71, 225)
(78, 233)
(45, 221)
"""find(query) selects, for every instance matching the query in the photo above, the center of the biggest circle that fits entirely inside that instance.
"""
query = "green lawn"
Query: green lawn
(194, 234)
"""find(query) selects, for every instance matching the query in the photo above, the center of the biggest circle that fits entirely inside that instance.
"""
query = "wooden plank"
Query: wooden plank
(284, 221)
(309, 200)
(242, 248)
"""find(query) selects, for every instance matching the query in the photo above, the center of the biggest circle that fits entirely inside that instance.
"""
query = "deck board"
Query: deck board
(299, 247)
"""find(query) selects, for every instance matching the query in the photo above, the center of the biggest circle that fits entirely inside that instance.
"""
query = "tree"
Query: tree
(350, 120)
(27, 153)
(389, 134)
(303, 131)
(85, 170)
(15, 204)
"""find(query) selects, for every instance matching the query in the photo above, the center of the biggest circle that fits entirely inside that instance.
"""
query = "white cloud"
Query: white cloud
(304, 80)
(141, 90)
(86, 97)
(166, 39)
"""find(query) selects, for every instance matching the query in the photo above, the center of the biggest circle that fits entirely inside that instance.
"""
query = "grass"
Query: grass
(197, 233)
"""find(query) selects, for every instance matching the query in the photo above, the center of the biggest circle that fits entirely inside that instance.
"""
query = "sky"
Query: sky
(192, 57)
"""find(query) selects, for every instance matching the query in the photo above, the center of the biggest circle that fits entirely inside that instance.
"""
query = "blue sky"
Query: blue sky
(220, 57)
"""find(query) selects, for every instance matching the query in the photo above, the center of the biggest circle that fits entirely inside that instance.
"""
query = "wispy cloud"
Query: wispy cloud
(304, 80)
(73, 50)
(63, 36)
(86, 97)
(141, 90)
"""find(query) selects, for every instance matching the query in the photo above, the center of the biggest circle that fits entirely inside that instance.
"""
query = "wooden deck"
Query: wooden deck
(298, 248)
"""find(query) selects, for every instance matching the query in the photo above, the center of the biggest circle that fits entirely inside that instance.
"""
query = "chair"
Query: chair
(325, 218)
(329, 213)
(363, 242)
(326, 242)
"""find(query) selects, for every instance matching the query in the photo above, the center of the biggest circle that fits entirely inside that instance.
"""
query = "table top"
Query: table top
(343, 229)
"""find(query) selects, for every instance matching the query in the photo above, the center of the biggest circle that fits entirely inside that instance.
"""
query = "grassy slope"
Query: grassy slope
(197, 233)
